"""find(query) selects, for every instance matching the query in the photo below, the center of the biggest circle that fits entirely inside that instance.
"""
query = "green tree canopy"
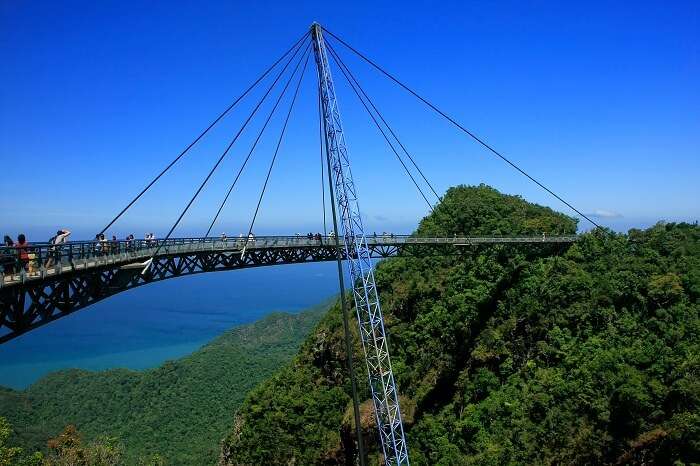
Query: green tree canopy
(509, 354)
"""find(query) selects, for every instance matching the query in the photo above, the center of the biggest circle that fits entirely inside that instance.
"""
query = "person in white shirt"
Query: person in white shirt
(55, 251)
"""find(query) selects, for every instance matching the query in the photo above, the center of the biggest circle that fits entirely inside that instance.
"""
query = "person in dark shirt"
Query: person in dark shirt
(22, 247)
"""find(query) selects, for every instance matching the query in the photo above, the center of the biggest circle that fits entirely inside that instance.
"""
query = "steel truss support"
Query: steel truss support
(37, 300)
(369, 314)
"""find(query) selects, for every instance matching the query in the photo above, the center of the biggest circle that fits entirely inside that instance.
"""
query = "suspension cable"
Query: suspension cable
(458, 125)
(320, 141)
(381, 130)
(379, 114)
(257, 139)
(223, 155)
(203, 133)
(274, 157)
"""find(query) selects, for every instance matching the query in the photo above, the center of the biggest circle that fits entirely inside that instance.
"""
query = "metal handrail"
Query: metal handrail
(42, 256)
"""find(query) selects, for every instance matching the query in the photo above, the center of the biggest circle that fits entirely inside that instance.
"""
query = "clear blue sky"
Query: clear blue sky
(598, 100)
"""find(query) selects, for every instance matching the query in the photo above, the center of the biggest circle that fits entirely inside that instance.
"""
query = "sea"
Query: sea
(146, 326)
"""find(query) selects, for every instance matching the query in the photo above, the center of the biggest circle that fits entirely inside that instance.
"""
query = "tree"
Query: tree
(14, 456)
(67, 449)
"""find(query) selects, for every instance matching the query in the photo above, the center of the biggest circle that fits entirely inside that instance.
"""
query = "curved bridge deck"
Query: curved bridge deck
(61, 279)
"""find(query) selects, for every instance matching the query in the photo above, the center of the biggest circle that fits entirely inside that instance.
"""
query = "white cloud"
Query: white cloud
(600, 213)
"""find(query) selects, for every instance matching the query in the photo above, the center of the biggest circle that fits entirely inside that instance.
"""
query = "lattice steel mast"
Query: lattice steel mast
(369, 314)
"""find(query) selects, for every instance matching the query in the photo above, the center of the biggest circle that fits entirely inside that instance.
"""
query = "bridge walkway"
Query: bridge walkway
(49, 261)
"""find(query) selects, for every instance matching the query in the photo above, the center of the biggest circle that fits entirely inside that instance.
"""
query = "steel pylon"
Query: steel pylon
(369, 314)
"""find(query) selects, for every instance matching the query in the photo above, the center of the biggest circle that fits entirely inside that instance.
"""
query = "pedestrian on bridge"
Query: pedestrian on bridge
(56, 242)
(129, 242)
(96, 248)
(7, 259)
(102, 246)
(106, 244)
(150, 239)
(26, 260)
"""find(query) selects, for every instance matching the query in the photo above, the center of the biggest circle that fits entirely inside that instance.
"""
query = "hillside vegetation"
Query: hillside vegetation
(587, 354)
(180, 410)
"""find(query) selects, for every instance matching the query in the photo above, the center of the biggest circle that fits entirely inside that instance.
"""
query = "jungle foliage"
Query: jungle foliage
(586, 354)
(176, 413)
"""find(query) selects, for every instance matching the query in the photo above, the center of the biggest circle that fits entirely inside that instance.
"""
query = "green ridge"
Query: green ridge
(510, 355)
(181, 409)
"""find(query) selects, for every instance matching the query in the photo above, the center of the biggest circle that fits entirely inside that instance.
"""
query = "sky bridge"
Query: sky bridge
(65, 278)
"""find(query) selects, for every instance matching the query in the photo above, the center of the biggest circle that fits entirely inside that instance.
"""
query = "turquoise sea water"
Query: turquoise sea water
(21, 375)
(146, 326)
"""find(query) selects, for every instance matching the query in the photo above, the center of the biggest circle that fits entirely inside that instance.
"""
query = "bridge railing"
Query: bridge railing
(41, 258)
(37, 256)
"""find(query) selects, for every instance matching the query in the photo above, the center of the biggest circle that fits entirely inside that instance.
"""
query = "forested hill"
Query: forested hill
(510, 355)
(180, 410)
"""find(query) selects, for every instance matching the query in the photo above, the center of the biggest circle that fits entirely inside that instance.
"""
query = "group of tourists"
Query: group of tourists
(150, 239)
(102, 245)
(241, 238)
(313, 236)
(15, 254)
(19, 255)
